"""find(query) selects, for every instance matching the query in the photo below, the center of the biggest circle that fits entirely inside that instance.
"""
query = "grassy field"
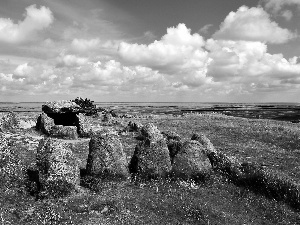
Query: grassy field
(274, 144)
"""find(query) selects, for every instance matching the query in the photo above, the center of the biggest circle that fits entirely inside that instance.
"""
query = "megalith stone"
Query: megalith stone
(106, 157)
(202, 139)
(58, 167)
(151, 132)
(191, 162)
(65, 132)
(151, 159)
(8, 121)
(83, 125)
(44, 123)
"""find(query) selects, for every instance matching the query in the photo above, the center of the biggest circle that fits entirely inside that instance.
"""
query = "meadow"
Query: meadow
(271, 144)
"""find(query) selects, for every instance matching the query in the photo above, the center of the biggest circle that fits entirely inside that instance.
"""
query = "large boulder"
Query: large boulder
(8, 121)
(63, 106)
(191, 162)
(106, 157)
(151, 159)
(151, 132)
(83, 125)
(44, 123)
(63, 112)
(65, 132)
(202, 139)
(58, 167)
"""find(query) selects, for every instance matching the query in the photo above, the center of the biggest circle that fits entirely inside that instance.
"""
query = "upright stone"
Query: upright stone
(151, 132)
(44, 123)
(191, 162)
(65, 132)
(106, 157)
(8, 121)
(58, 168)
(83, 126)
(202, 139)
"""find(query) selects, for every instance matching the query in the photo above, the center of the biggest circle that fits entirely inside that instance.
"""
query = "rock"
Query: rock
(191, 162)
(63, 112)
(151, 132)
(58, 168)
(44, 124)
(151, 160)
(171, 135)
(63, 106)
(106, 157)
(134, 126)
(83, 126)
(202, 139)
(8, 121)
(65, 132)
(107, 117)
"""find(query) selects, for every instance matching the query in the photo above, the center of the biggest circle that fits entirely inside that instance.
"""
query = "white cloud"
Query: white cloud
(205, 29)
(83, 44)
(287, 14)
(179, 54)
(35, 20)
(248, 64)
(23, 70)
(252, 24)
(70, 60)
(277, 5)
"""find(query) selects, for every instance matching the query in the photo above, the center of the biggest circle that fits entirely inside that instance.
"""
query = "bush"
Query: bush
(87, 106)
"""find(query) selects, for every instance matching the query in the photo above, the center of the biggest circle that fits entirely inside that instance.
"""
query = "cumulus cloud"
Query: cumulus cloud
(70, 60)
(179, 53)
(252, 24)
(277, 5)
(205, 29)
(23, 70)
(250, 65)
(36, 19)
(83, 44)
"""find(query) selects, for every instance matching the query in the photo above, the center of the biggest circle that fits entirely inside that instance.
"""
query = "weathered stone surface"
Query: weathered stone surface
(63, 106)
(202, 139)
(57, 165)
(83, 126)
(151, 159)
(8, 121)
(65, 132)
(44, 124)
(191, 162)
(106, 157)
(151, 132)
(171, 135)
(134, 126)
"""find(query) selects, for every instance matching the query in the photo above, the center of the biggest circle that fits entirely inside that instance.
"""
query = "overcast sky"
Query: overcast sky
(150, 50)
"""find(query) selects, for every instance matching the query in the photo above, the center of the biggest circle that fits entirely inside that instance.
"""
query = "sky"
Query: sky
(150, 51)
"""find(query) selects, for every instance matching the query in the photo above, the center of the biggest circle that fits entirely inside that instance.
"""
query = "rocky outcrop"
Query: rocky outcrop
(57, 166)
(65, 132)
(191, 162)
(8, 121)
(106, 157)
(83, 125)
(44, 124)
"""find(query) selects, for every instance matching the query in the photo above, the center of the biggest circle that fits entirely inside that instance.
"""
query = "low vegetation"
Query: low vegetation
(244, 189)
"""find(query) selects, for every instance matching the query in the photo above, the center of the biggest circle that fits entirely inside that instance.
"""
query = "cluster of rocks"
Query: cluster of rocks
(63, 119)
(161, 155)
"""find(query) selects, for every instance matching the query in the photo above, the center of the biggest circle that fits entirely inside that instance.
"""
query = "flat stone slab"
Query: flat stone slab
(63, 106)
